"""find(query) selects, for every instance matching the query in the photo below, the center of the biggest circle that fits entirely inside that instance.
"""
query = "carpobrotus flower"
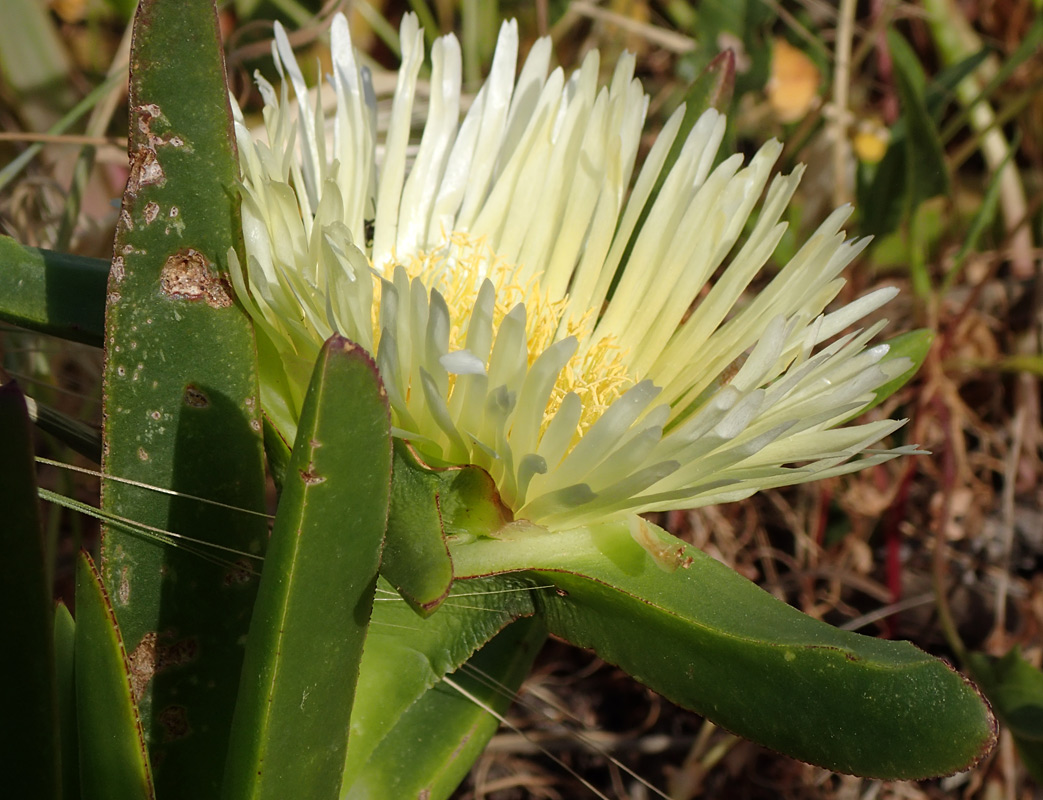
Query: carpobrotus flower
(522, 316)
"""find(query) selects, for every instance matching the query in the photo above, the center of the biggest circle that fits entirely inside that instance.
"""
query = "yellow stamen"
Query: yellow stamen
(597, 372)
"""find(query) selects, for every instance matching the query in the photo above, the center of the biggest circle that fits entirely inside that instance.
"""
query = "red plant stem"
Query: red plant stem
(893, 541)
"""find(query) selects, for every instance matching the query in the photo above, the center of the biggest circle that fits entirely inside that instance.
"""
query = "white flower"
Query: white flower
(479, 265)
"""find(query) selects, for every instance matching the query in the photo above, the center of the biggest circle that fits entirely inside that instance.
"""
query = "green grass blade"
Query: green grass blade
(55, 293)
(983, 219)
(927, 174)
(29, 735)
(113, 761)
(11, 170)
(1029, 46)
(180, 396)
(710, 640)
(78, 435)
(290, 732)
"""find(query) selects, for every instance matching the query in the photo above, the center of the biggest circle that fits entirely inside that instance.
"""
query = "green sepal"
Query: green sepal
(113, 762)
(290, 730)
(709, 640)
(713, 88)
(416, 558)
(914, 345)
(277, 451)
(427, 505)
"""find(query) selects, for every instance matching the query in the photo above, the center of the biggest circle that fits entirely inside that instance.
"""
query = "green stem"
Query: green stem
(918, 273)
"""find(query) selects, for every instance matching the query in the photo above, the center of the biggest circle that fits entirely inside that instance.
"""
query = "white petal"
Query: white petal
(463, 362)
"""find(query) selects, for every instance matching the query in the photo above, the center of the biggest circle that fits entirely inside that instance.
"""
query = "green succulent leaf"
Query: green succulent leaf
(1015, 688)
(290, 732)
(437, 739)
(181, 400)
(277, 452)
(113, 761)
(407, 656)
(55, 293)
(65, 681)
(709, 640)
(29, 736)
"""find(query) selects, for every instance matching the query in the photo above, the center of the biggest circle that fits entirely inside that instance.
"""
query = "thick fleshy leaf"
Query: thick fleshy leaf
(290, 732)
(277, 453)
(29, 723)
(113, 761)
(427, 504)
(1015, 688)
(56, 293)
(408, 655)
(438, 738)
(65, 682)
(181, 401)
(708, 639)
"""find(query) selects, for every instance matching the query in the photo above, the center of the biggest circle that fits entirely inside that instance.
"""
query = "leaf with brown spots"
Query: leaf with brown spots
(180, 399)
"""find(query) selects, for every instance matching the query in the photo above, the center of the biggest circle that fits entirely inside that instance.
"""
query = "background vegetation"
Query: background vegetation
(927, 115)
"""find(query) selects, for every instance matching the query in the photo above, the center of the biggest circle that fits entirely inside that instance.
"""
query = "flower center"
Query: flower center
(597, 372)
